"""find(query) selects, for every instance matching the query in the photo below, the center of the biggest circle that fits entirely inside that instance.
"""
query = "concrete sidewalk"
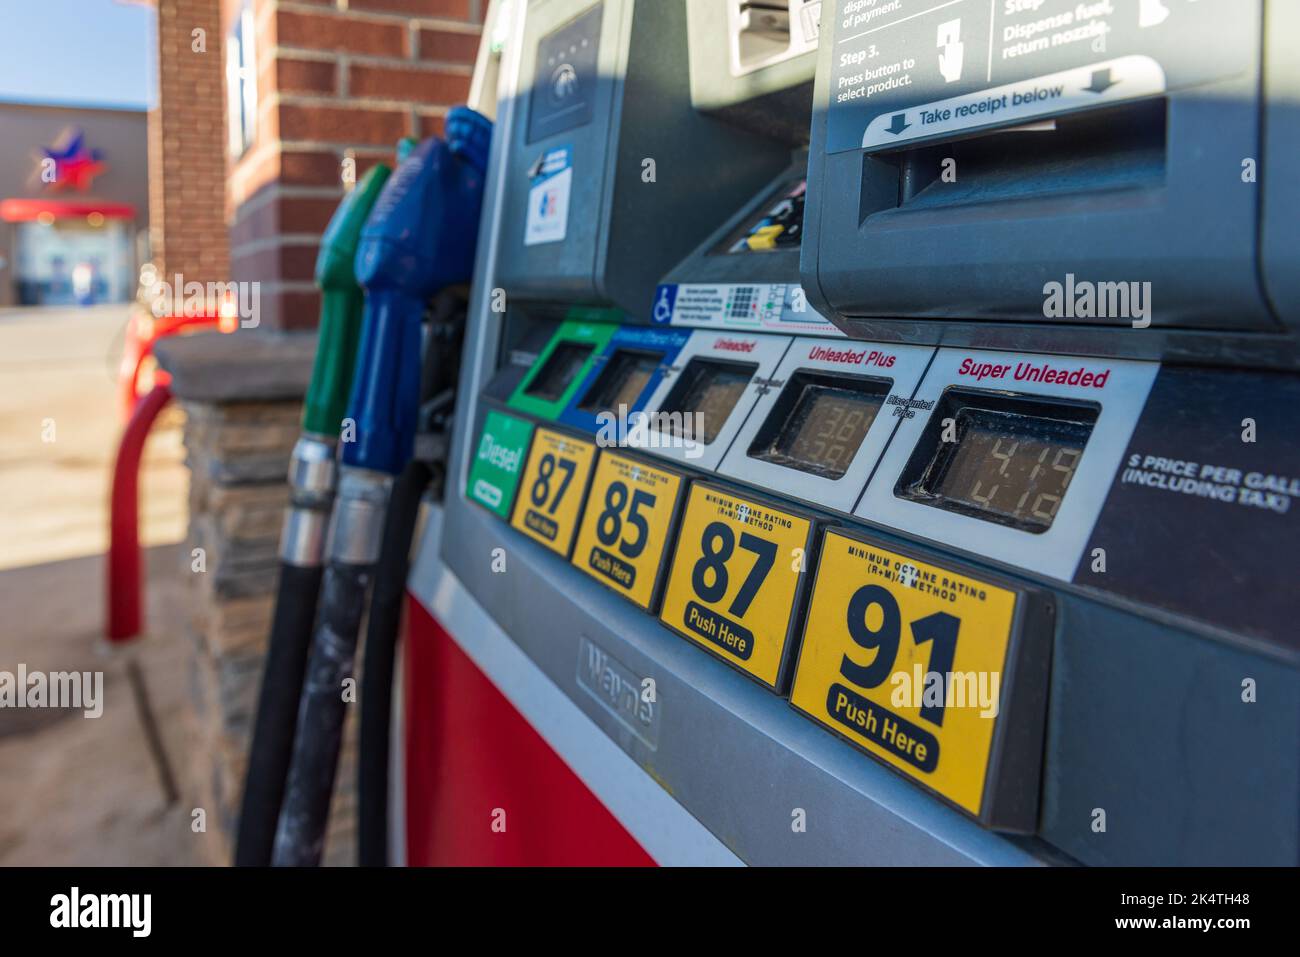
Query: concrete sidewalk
(58, 434)
(82, 790)
(77, 790)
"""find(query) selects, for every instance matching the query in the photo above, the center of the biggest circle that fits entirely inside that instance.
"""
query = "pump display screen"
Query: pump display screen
(559, 370)
(1011, 461)
(819, 422)
(707, 391)
(622, 381)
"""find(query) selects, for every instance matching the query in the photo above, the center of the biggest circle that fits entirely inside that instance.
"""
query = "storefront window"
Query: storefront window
(241, 83)
(72, 261)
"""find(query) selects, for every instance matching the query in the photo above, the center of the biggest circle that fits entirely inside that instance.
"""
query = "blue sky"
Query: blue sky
(85, 52)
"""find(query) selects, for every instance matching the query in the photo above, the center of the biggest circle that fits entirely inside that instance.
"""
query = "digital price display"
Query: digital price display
(622, 381)
(1008, 459)
(707, 391)
(558, 372)
(819, 422)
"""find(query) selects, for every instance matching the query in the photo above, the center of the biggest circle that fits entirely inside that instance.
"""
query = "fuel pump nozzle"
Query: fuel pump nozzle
(420, 238)
(312, 479)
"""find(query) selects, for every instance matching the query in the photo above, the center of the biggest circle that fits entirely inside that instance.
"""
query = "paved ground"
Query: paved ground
(77, 790)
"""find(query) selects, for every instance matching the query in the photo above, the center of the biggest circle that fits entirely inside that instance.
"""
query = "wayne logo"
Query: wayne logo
(619, 690)
(133, 911)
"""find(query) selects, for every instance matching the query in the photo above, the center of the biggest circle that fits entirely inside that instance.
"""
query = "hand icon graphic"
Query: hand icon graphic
(950, 50)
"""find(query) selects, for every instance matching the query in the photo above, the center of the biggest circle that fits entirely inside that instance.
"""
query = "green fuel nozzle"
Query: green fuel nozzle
(342, 307)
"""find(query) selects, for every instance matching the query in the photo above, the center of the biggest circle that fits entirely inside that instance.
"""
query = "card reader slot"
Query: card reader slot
(762, 31)
(1104, 151)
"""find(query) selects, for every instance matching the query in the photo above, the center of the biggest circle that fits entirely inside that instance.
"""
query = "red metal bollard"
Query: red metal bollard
(124, 581)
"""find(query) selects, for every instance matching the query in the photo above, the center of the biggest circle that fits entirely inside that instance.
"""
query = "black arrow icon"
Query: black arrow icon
(1101, 81)
(898, 124)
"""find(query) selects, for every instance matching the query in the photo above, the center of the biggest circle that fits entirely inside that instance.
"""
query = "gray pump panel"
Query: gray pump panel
(1105, 143)
(613, 176)
(1143, 514)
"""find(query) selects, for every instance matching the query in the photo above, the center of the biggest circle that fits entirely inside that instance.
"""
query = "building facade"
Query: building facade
(315, 94)
(74, 204)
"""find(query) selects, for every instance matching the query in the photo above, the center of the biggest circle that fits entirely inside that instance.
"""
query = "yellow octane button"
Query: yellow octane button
(549, 502)
(627, 525)
(737, 578)
(907, 660)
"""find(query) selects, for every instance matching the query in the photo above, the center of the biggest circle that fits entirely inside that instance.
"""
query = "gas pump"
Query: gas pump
(873, 445)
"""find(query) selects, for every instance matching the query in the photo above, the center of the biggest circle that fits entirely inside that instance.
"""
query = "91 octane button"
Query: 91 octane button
(550, 496)
(911, 662)
(737, 580)
(627, 524)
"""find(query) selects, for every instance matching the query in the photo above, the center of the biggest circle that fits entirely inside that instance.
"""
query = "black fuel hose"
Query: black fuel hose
(277, 713)
(312, 475)
(437, 392)
(299, 839)
(380, 654)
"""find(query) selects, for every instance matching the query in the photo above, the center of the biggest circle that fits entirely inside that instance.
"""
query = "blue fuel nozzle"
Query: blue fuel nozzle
(420, 238)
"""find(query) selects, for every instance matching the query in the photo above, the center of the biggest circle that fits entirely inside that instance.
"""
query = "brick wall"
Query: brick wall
(337, 79)
(187, 145)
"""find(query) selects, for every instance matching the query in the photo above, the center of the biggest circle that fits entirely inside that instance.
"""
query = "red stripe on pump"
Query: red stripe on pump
(471, 755)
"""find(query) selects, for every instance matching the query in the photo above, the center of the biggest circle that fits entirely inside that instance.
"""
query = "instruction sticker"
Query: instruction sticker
(753, 307)
(906, 660)
(548, 197)
(737, 580)
(908, 69)
(498, 460)
(627, 525)
(554, 485)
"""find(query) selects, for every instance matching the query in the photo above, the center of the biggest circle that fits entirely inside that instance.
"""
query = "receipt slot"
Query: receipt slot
(1070, 165)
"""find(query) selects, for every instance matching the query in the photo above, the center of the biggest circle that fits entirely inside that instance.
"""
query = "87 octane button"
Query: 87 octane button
(737, 580)
(940, 674)
(554, 485)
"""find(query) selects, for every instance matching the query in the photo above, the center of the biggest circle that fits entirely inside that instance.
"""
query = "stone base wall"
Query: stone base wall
(238, 455)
